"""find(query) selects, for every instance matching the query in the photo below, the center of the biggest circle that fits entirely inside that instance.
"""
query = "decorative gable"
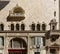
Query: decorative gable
(16, 14)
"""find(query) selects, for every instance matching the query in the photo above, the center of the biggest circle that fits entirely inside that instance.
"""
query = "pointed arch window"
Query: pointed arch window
(2, 27)
(38, 27)
(43, 27)
(17, 26)
(12, 26)
(22, 27)
(33, 27)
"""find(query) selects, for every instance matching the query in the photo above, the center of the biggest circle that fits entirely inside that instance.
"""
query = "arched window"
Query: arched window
(22, 27)
(17, 43)
(2, 27)
(53, 27)
(1, 41)
(12, 26)
(33, 27)
(38, 27)
(17, 46)
(43, 27)
(17, 26)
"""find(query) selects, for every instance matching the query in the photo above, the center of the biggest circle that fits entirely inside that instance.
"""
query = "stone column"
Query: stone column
(5, 45)
(57, 51)
(28, 45)
(48, 52)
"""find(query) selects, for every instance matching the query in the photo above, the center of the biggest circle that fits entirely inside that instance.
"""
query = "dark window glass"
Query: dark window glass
(43, 27)
(11, 44)
(54, 0)
(53, 27)
(24, 53)
(12, 26)
(54, 13)
(37, 53)
(1, 41)
(52, 51)
(53, 38)
(17, 26)
(43, 41)
(2, 27)
(38, 27)
(22, 27)
(33, 27)
(39, 41)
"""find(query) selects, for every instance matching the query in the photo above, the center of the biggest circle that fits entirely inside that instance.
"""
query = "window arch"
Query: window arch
(12, 26)
(2, 27)
(43, 27)
(22, 27)
(33, 27)
(17, 26)
(17, 43)
(38, 27)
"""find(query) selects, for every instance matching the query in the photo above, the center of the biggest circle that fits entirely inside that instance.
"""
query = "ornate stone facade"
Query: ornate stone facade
(23, 31)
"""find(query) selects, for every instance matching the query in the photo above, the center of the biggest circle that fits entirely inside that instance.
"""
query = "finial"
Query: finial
(17, 5)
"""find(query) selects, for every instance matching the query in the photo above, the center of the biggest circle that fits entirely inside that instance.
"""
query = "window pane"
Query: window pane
(43, 41)
(12, 26)
(22, 27)
(17, 26)
(33, 41)
(33, 27)
(16, 44)
(54, 13)
(38, 41)
(43, 27)
(38, 27)
(1, 41)
(1, 27)
(37, 52)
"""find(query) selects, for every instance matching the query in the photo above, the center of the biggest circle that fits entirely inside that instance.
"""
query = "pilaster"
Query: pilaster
(48, 52)
(5, 45)
(28, 45)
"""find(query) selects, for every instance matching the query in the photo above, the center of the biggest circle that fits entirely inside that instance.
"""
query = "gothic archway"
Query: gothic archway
(17, 46)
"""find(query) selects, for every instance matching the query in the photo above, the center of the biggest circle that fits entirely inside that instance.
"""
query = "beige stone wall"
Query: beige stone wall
(26, 37)
(35, 11)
